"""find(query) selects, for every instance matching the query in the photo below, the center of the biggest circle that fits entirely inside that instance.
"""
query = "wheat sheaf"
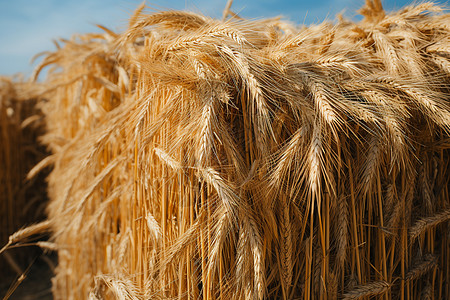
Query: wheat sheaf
(196, 158)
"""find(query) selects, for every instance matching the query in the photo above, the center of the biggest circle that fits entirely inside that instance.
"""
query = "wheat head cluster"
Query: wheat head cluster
(195, 158)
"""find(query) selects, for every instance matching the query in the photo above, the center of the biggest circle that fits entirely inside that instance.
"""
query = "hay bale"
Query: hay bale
(22, 202)
(252, 159)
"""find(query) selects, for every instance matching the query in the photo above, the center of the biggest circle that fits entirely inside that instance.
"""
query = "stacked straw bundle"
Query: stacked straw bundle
(197, 158)
(21, 202)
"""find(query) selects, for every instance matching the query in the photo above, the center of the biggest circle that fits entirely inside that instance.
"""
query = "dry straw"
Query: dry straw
(197, 158)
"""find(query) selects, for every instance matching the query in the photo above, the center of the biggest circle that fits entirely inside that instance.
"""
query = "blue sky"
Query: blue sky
(28, 26)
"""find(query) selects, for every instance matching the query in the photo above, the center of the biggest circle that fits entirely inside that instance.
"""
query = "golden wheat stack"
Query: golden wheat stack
(21, 201)
(197, 158)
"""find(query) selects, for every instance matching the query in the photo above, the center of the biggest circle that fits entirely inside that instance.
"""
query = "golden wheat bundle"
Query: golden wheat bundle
(197, 158)
(22, 201)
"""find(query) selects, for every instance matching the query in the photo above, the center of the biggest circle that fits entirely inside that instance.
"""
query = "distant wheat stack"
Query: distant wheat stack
(22, 202)
(198, 158)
